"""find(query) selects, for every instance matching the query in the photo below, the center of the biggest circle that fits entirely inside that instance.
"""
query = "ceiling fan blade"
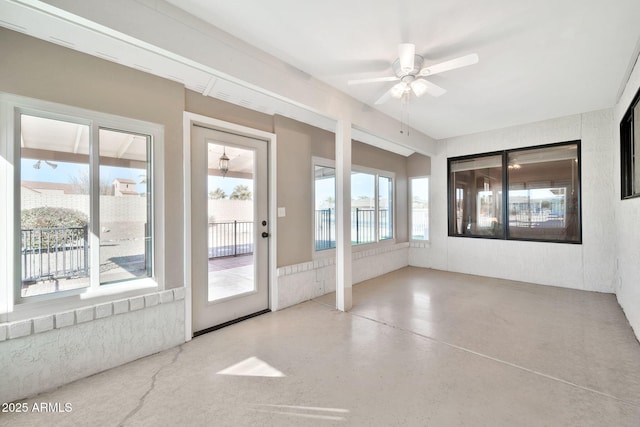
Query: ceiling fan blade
(463, 61)
(396, 91)
(373, 80)
(406, 54)
(422, 86)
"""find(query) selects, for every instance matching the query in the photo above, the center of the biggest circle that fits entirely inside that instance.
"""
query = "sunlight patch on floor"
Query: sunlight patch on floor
(252, 367)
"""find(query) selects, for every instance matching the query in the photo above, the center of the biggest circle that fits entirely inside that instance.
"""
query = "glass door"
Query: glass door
(229, 227)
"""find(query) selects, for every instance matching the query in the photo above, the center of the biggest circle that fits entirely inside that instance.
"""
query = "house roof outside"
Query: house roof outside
(124, 181)
(49, 187)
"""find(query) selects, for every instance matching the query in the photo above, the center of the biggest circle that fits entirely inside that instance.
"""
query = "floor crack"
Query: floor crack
(151, 387)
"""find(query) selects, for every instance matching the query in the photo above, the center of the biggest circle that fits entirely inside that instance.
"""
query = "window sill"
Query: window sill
(104, 294)
(63, 319)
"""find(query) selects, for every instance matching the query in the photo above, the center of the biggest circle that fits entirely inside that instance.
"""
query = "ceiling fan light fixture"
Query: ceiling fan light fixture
(419, 87)
(399, 90)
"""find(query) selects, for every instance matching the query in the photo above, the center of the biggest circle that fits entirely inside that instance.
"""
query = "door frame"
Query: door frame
(190, 119)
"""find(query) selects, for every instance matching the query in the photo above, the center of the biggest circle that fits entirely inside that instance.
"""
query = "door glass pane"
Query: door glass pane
(325, 207)
(420, 208)
(385, 207)
(54, 204)
(230, 230)
(125, 206)
(363, 208)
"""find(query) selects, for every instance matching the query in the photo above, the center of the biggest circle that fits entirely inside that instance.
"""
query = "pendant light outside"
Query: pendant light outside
(223, 163)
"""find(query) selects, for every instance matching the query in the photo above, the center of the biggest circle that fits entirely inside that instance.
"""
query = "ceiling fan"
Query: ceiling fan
(409, 72)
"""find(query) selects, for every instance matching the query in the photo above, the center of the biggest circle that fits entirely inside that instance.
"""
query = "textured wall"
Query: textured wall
(43, 353)
(627, 213)
(589, 266)
(304, 281)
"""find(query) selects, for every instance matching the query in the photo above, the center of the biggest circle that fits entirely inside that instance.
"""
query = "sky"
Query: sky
(65, 172)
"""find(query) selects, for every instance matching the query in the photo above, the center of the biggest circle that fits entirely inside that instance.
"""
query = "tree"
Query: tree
(218, 194)
(241, 192)
(81, 182)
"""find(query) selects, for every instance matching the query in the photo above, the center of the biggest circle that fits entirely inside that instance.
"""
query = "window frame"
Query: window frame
(377, 173)
(627, 145)
(326, 163)
(12, 304)
(505, 193)
(410, 207)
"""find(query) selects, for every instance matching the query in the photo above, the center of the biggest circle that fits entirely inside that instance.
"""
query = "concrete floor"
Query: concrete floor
(420, 347)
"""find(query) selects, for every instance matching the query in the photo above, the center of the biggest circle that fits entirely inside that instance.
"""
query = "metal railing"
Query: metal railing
(325, 229)
(53, 253)
(231, 238)
(363, 227)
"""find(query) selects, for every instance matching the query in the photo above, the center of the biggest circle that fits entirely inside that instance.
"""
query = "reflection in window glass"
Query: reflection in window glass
(385, 207)
(630, 150)
(54, 205)
(125, 206)
(477, 196)
(543, 193)
(363, 208)
(325, 207)
(420, 208)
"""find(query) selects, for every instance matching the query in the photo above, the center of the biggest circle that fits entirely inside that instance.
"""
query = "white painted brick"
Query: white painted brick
(3, 332)
(136, 303)
(287, 270)
(104, 310)
(19, 329)
(65, 319)
(151, 300)
(179, 293)
(121, 306)
(42, 324)
(166, 297)
(84, 314)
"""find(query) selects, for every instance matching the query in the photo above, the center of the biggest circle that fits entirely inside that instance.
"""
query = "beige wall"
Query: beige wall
(418, 165)
(211, 107)
(297, 143)
(42, 70)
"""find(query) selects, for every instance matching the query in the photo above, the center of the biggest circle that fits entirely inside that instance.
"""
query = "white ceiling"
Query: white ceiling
(538, 59)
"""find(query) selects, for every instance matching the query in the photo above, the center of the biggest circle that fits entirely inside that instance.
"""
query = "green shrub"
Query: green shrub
(48, 217)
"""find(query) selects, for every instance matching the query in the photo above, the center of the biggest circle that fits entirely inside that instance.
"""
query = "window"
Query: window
(420, 208)
(543, 193)
(630, 150)
(84, 204)
(385, 205)
(363, 208)
(371, 206)
(476, 185)
(325, 207)
(542, 201)
(372, 194)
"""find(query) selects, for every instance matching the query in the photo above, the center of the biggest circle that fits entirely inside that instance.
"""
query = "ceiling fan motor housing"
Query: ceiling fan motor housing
(417, 66)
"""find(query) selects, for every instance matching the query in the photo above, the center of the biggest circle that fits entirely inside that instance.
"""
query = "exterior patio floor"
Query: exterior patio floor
(230, 276)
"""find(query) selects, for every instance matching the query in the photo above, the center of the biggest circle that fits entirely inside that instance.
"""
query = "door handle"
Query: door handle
(265, 234)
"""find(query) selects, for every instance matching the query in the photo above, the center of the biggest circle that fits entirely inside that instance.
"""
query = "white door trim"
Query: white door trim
(188, 120)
